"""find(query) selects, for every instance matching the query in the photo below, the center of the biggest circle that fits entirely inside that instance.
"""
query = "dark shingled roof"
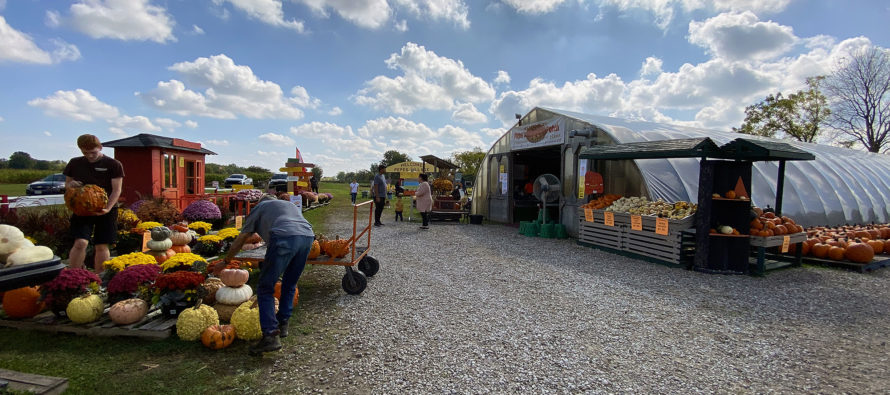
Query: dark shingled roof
(679, 148)
(764, 150)
(150, 140)
(438, 162)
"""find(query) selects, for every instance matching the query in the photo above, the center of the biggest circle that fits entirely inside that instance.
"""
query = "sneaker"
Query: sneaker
(269, 342)
(424, 227)
(282, 329)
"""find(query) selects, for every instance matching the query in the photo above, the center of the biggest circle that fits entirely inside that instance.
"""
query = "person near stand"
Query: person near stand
(94, 168)
(313, 183)
(399, 208)
(424, 200)
(378, 192)
(353, 190)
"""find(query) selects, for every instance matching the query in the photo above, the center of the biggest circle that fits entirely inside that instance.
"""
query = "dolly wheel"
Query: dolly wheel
(369, 266)
(354, 282)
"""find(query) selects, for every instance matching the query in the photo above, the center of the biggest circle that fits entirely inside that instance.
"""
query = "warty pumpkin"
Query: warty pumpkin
(84, 309)
(315, 251)
(86, 200)
(336, 248)
(217, 337)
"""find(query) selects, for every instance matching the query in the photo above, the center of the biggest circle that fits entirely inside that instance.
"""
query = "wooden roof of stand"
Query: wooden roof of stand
(680, 148)
(144, 140)
(764, 150)
(438, 162)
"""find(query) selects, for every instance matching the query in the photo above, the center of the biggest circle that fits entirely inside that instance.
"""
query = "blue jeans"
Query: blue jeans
(285, 258)
(353, 195)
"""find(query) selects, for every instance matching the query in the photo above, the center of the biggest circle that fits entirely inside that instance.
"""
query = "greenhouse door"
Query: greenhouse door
(527, 166)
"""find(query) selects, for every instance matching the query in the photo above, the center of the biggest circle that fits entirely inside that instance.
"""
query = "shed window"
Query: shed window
(170, 178)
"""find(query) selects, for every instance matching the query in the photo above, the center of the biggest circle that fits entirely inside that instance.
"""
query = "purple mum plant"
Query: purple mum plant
(201, 210)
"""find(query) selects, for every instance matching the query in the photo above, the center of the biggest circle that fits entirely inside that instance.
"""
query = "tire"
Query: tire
(369, 266)
(359, 279)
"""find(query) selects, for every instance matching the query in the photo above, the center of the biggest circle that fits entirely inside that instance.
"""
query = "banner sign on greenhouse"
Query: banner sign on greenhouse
(538, 134)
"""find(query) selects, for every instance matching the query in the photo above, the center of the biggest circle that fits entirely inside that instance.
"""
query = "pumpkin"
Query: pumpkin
(128, 311)
(22, 302)
(781, 230)
(885, 233)
(234, 277)
(211, 285)
(161, 256)
(29, 254)
(876, 245)
(337, 248)
(85, 309)
(217, 337)
(86, 200)
(730, 195)
(277, 293)
(315, 251)
(805, 249)
(246, 320)
(874, 234)
(859, 252)
(887, 247)
(837, 253)
(180, 238)
(820, 250)
(159, 245)
(160, 233)
(233, 295)
(179, 228)
(181, 249)
(192, 322)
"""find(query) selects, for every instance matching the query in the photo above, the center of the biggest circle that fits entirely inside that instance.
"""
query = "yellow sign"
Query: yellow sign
(411, 167)
(302, 184)
(239, 220)
(409, 175)
(786, 242)
(240, 187)
(661, 226)
(636, 222)
(588, 214)
(503, 169)
(609, 218)
(291, 169)
(181, 162)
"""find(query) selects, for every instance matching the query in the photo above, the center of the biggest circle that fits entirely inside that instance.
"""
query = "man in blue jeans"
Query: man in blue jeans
(288, 238)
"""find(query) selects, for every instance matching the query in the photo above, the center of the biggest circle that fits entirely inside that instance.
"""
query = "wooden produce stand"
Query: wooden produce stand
(444, 206)
(661, 240)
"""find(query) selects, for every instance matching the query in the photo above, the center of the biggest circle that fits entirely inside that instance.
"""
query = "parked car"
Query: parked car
(52, 184)
(279, 182)
(237, 179)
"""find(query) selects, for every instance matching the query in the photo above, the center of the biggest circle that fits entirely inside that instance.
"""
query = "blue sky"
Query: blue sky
(346, 80)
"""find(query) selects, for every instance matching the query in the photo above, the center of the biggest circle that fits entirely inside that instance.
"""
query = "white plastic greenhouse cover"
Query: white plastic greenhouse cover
(842, 186)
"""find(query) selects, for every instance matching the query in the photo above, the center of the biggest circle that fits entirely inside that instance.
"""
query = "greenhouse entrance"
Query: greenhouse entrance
(528, 165)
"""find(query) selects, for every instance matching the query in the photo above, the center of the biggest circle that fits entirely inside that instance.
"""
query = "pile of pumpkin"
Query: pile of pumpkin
(601, 202)
(769, 224)
(858, 244)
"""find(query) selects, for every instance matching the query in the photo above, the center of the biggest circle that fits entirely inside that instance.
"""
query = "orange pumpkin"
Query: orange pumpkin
(22, 302)
(234, 277)
(859, 252)
(729, 195)
(756, 224)
(781, 230)
(874, 234)
(837, 253)
(876, 245)
(86, 200)
(805, 249)
(315, 251)
(885, 233)
(278, 293)
(820, 250)
(217, 337)
(161, 256)
(337, 248)
(179, 228)
(181, 249)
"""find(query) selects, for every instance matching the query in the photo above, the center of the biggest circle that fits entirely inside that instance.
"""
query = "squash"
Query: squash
(11, 238)
(859, 252)
(180, 238)
(159, 245)
(22, 302)
(179, 228)
(128, 311)
(161, 256)
(225, 311)
(234, 277)
(217, 337)
(277, 293)
(315, 251)
(86, 200)
(31, 254)
(160, 233)
(181, 249)
(192, 322)
(246, 320)
(85, 309)
(232, 295)
(837, 253)
(211, 285)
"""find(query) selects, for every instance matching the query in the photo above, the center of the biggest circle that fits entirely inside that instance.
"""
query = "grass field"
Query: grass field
(13, 189)
(121, 365)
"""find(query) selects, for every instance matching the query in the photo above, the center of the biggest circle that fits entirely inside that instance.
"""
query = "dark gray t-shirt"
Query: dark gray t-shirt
(278, 217)
(379, 189)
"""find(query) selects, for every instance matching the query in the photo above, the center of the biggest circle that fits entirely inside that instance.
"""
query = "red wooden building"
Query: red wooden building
(161, 166)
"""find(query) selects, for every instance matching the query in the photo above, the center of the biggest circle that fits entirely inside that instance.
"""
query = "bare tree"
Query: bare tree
(859, 90)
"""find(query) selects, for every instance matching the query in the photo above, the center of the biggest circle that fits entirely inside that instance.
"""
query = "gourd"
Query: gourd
(337, 248)
(315, 251)
(128, 311)
(725, 229)
(184, 249)
(234, 277)
(22, 302)
(159, 245)
(217, 337)
(160, 233)
(820, 250)
(277, 293)
(11, 239)
(246, 320)
(233, 295)
(29, 254)
(180, 238)
(86, 200)
(85, 309)
(192, 322)
(859, 252)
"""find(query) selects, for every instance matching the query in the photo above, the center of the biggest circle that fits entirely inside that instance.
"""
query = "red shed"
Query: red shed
(161, 166)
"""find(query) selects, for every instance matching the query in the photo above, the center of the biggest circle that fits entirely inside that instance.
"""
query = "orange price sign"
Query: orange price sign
(609, 218)
(588, 214)
(661, 226)
(145, 238)
(636, 222)
(786, 242)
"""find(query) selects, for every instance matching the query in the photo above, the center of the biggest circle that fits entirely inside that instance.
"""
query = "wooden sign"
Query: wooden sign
(609, 219)
(588, 214)
(145, 238)
(661, 226)
(786, 242)
(239, 221)
(636, 222)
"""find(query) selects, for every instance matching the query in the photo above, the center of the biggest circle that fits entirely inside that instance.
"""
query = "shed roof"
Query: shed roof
(438, 162)
(698, 147)
(151, 140)
(761, 150)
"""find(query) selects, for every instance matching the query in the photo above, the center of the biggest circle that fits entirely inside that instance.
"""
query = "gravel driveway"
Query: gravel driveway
(477, 309)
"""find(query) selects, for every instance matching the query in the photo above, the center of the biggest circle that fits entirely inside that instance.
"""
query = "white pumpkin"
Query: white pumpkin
(11, 238)
(26, 255)
(162, 245)
(128, 311)
(234, 295)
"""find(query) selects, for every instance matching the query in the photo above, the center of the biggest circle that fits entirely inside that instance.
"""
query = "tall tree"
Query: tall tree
(859, 87)
(390, 158)
(317, 172)
(469, 161)
(797, 116)
(20, 160)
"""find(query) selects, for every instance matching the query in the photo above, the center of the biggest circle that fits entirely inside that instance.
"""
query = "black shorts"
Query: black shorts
(102, 229)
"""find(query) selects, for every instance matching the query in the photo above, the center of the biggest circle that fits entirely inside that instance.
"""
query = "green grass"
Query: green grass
(13, 189)
(125, 365)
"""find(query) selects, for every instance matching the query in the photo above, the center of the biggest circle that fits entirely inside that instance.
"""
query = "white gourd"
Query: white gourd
(162, 245)
(26, 255)
(234, 295)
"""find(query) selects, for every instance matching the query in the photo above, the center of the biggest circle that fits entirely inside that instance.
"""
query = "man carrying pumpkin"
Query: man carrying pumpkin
(288, 238)
(93, 168)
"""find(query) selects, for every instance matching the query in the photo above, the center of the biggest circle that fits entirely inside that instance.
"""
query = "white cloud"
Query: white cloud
(267, 11)
(138, 122)
(741, 36)
(1, 119)
(369, 14)
(47, 133)
(454, 11)
(278, 139)
(602, 94)
(229, 90)
(335, 111)
(394, 128)
(493, 133)
(168, 123)
(197, 30)
(78, 105)
(468, 114)
(191, 124)
(64, 51)
(220, 143)
(503, 78)
(651, 67)
(318, 130)
(534, 6)
(429, 81)
(401, 26)
(18, 47)
(665, 10)
(118, 19)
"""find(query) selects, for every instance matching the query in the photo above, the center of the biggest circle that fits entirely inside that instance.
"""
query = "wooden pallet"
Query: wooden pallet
(666, 248)
(775, 241)
(31, 383)
(876, 263)
(154, 326)
(602, 235)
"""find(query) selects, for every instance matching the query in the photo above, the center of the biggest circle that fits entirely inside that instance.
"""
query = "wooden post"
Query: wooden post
(780, 188)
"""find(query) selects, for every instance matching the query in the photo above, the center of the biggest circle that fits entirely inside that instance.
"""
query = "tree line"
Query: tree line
(468, 161)
(23, 161)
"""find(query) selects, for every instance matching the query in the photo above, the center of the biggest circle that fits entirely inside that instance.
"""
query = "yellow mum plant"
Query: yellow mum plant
(122, 262)
(228, 233)
(148, 225)
(200, 225)
(210, 239)
(183, 259)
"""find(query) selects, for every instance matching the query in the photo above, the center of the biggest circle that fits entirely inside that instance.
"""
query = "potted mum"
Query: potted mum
(69, 284)
(202, 210)
(177, 291)
(133, 282)
(184, 261)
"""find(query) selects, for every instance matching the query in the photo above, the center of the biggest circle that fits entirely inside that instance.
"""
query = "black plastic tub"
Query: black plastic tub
(30, 275)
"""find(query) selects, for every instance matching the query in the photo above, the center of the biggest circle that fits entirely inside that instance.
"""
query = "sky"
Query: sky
(346, 80)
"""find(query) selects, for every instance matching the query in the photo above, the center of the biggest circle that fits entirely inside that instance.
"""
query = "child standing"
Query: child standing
(399, 208)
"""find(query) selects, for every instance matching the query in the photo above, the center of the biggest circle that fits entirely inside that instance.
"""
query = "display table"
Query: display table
(762, 243)
(445, 207)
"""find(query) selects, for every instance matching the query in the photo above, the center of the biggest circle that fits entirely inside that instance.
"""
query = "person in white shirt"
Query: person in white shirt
(353, 190)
